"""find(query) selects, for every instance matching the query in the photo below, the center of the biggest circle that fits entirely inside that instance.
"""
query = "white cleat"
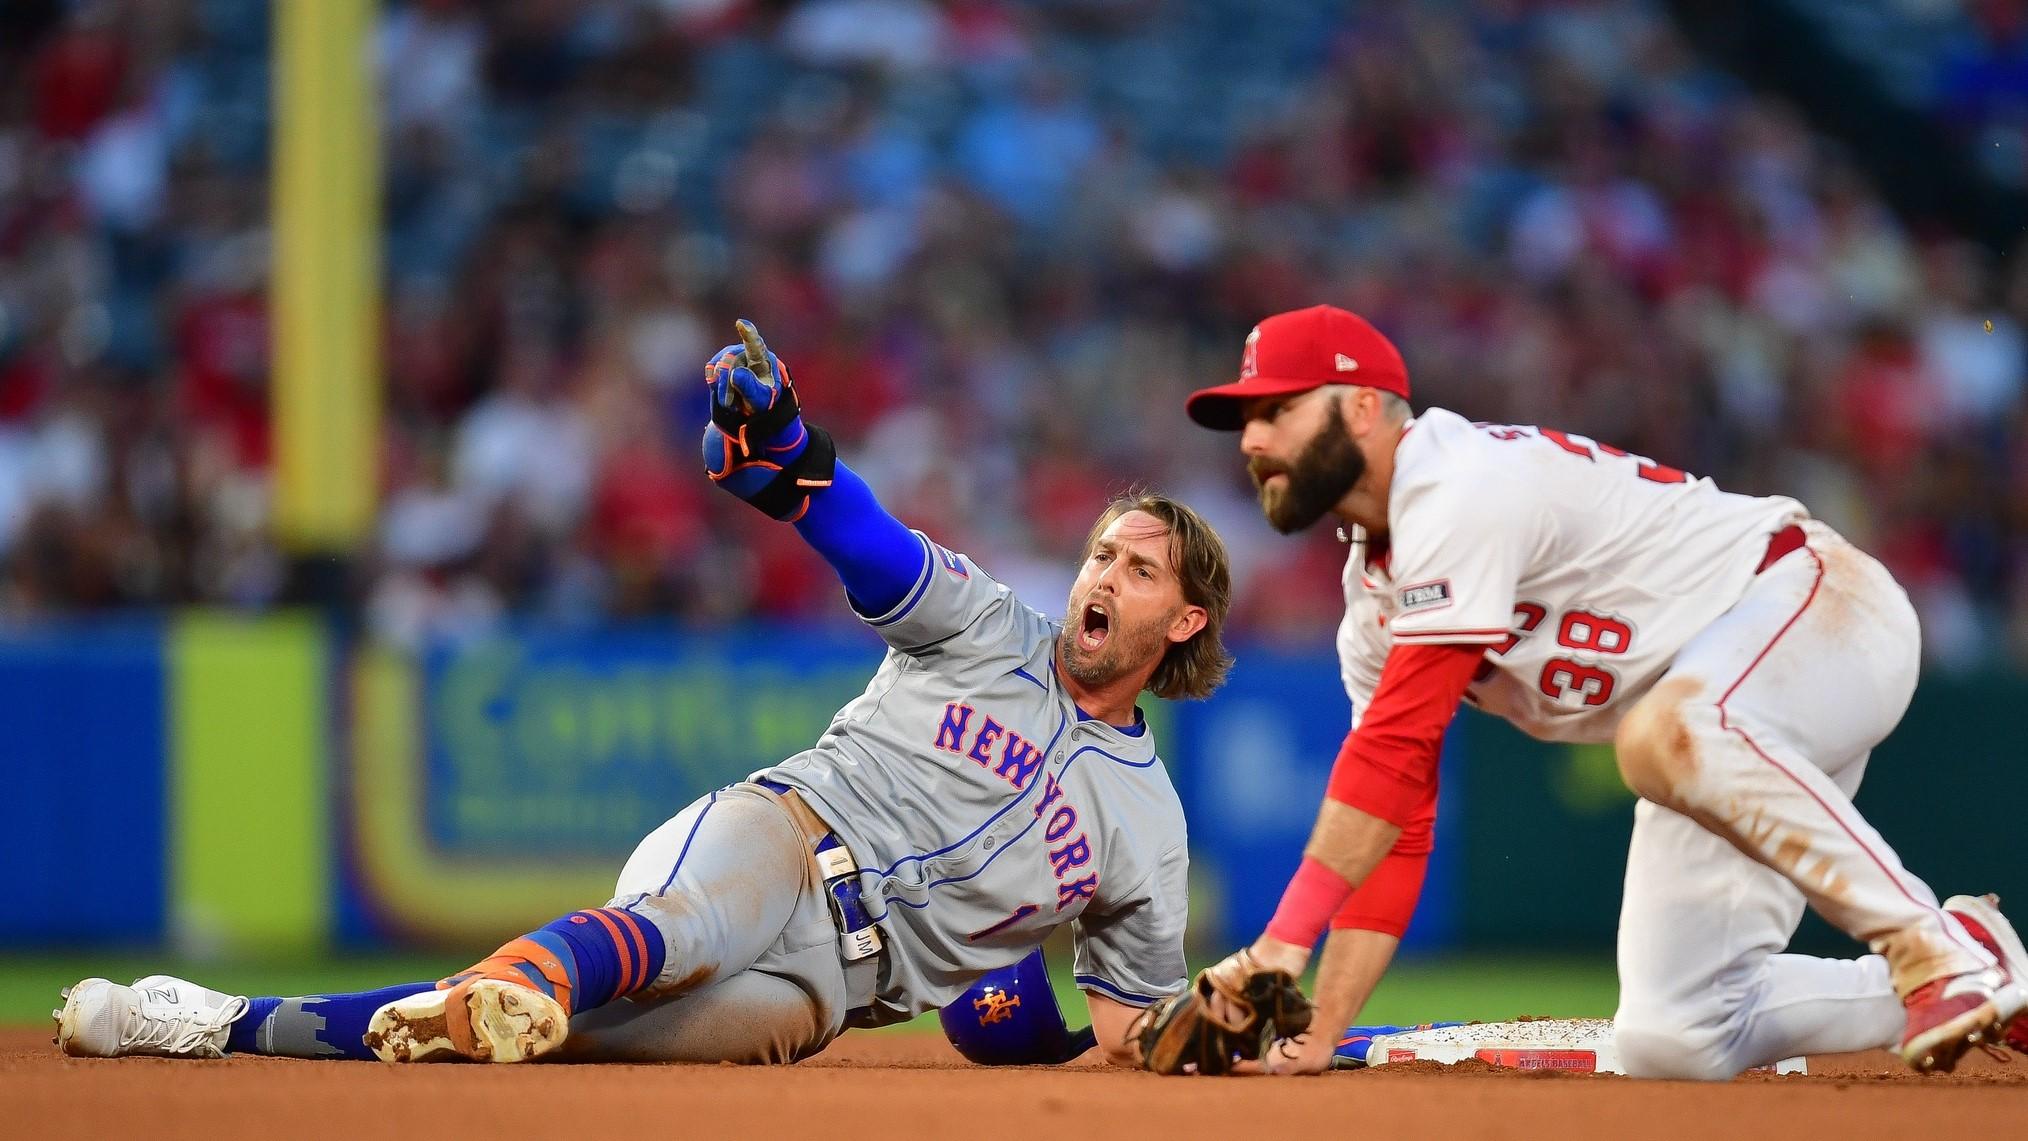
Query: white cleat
(158, 1017)
(1981, 918)
(477, 1020)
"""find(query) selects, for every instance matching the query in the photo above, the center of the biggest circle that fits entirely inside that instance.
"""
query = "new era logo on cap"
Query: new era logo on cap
(1347, 364)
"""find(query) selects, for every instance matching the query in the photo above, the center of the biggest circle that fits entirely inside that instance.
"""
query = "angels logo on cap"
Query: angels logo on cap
(1294, 352)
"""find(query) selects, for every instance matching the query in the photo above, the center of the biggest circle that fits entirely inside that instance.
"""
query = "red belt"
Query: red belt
(1780, 543)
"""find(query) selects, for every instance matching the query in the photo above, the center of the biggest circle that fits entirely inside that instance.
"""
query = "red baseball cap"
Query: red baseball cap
(1297, 351)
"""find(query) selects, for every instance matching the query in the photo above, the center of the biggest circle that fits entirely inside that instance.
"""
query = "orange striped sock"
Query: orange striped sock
(583, 960)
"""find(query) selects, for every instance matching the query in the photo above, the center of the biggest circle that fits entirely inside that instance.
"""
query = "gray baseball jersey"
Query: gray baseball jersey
(985, 810)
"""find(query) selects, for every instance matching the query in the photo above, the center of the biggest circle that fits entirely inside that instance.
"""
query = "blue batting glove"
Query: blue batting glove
(757, 431)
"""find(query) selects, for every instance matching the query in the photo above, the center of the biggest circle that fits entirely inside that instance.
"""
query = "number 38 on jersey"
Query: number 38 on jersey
(1582, 568)
(1582, 677)
(1569, 677)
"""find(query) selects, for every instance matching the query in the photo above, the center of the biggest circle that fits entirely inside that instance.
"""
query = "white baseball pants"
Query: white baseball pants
(1772, 711)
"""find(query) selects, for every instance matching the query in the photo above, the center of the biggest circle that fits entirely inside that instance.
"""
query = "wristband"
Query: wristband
(1385, 900)
(1314, 894)
(787, 495)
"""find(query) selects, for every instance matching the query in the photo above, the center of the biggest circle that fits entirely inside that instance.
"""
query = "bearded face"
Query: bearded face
(1298, 493)
(1123, 604)
(1099, 645)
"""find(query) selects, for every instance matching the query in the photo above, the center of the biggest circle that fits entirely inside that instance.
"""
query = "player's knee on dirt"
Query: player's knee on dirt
(1656, 746)
(1660, 1046)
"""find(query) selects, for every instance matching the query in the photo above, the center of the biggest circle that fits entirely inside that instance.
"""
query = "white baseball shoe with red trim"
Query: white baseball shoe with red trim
(1980, 915)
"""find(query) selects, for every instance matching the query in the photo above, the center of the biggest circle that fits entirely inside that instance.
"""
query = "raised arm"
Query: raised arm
(758, 447)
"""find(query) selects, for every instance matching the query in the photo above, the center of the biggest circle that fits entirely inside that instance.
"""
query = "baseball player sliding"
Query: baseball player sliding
(1742, 658)
(994, 782)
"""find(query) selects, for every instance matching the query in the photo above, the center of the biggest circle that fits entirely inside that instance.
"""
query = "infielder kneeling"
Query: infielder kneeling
(994, 782)
(1742, 657)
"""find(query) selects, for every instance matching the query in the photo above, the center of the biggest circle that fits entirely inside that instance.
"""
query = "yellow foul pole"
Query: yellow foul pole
(325, 296)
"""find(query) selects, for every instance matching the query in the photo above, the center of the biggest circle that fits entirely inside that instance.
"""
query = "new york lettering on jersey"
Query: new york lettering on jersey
(1016, 762)
(985, 810)
(1009, 755)
(1582, 567)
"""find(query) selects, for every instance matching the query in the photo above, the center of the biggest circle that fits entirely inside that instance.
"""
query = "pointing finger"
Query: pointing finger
(756, 349)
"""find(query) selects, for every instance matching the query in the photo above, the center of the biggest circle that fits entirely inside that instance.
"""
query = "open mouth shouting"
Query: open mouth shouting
(1095, 624)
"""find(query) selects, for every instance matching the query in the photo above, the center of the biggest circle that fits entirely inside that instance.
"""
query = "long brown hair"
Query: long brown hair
(1190, 669)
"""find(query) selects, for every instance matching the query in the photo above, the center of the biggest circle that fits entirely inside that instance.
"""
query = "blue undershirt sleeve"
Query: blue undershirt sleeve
(877, 558)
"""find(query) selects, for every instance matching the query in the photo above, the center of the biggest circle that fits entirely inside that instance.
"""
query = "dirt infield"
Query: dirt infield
(879, 1086)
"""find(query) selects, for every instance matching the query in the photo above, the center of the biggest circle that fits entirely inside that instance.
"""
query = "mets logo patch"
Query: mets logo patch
(1426, 596)
(996, 1006)
(952, 563)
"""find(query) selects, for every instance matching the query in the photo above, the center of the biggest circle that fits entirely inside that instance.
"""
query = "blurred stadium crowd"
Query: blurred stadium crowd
(997, 242)
(1980, 92)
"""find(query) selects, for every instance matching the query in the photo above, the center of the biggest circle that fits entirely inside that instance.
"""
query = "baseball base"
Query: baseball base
(1577, 1045)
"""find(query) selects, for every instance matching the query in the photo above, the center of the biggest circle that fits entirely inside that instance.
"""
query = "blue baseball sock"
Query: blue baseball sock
(314, 1026)
(600, 955)
(583, 960)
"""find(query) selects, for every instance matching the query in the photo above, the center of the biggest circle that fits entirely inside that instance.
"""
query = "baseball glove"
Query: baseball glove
(1230, 1014)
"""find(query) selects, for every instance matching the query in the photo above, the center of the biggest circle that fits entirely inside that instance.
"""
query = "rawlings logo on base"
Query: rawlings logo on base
(1579, 1061)
(1581, 1045)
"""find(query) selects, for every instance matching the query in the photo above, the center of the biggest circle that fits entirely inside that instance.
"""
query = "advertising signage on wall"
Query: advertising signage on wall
(256, 787)
(509, 778)
(548, 746)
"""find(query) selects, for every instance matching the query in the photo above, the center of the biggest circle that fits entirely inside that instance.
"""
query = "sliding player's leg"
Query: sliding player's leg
(701, 899)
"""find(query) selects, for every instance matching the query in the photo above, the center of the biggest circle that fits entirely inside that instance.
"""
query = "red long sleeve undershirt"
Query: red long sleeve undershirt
(1388, 768)
(1385, 900)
